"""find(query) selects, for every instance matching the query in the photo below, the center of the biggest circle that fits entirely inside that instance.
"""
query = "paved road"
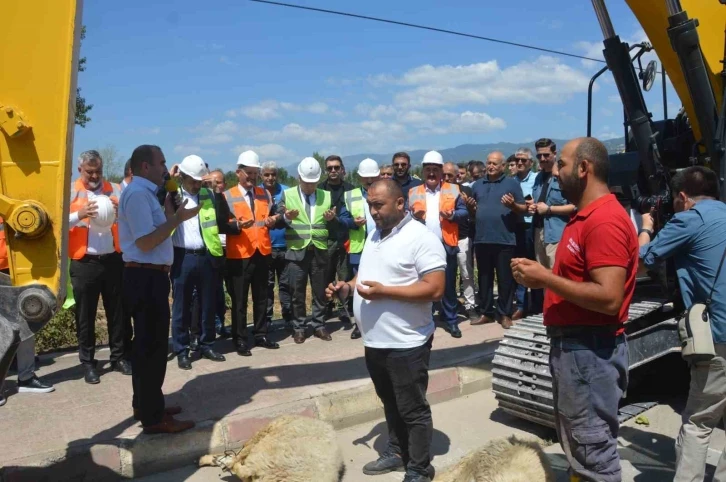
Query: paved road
(466, 423)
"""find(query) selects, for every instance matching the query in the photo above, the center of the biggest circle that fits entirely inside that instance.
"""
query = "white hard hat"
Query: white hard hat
(309, 170)
(368, 168)
(106, 214)
(194, 167)
(249, 159)
(433, 157)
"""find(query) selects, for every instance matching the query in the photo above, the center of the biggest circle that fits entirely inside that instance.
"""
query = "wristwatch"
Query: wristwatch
(648, 231)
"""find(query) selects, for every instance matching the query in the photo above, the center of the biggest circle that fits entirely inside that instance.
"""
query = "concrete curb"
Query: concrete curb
(148, 454)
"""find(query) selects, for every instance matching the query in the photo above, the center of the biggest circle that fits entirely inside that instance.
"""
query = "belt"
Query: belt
(158, 267)
(99, 257)
(197, 252)
(582, 330)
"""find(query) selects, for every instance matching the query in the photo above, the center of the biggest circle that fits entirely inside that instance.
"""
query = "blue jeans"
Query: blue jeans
(192, 272)
(589, 377)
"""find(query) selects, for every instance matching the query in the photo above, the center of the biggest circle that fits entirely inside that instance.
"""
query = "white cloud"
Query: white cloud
(317, 108)
(269, 152)
(467, 122)
(273, 109)
(213, 134)
(264, 110)
(145, 131)
(544, 81)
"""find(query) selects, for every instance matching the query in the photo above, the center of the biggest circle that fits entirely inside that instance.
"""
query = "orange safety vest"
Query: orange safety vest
(78, 238)
(3, 247)
(256, 237)
(447, 202)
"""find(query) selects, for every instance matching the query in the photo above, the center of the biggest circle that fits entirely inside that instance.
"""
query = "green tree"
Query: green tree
(82, 108)
(113, 163)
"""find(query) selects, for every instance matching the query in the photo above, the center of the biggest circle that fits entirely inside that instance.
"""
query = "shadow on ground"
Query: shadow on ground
(228, 391)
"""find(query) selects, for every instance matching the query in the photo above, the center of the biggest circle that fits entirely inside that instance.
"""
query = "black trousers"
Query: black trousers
(91, 278)
(312, 264)
(146, 296)
(401, 378)
(241, 275)
(278, 269)
(491, 258)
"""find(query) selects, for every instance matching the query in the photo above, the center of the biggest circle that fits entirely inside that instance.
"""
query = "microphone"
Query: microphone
(170, 186)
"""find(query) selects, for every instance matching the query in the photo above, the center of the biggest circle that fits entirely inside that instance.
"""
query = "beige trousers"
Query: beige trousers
(705, 409)
(544, 253)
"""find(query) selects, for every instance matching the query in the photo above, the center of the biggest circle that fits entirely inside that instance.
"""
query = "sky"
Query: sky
(218, 77)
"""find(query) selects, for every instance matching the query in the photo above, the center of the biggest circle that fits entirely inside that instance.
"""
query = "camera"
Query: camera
(662, 204)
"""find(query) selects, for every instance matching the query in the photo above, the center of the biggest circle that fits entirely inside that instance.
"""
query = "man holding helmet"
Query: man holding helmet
(307, 210)
(197, 256)
(96, 266)
(249, 249)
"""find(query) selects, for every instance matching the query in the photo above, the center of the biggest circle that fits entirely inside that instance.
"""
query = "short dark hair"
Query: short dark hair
(127, 168)
(462, 165)
(479, 164)
(392, 187)
(589, 148)
(545, 142)
(401, 154)
(696, 181)
(142, 154)
(333, 158)
(512, 158)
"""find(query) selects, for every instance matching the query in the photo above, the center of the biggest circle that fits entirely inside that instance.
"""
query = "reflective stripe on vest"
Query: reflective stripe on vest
(354, 204)
(78, 236)
(301, 230)
(208, 223)
(257, 236)
(447, 202)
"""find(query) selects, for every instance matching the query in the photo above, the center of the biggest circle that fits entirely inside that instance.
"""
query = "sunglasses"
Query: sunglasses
(333, 168)
(521, 161)
(404, 164)
(544, 156)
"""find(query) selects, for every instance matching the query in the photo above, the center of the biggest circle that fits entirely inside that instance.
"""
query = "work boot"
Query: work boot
(91, 377)
(387, 462)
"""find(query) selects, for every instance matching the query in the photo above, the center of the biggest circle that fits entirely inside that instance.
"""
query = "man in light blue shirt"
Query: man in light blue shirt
(524, 232)
(695, 238)
(144, 234)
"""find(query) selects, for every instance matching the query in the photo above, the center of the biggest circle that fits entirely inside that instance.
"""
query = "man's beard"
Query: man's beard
(572, 188)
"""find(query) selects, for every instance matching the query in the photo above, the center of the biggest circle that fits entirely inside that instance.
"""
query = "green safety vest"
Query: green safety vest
(208, 223)
(354, 204)
(301, 230)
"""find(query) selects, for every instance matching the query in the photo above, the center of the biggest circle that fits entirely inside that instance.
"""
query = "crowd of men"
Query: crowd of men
(198, 239)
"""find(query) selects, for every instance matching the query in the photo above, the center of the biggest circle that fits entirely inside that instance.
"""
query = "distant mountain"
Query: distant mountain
(467, 152)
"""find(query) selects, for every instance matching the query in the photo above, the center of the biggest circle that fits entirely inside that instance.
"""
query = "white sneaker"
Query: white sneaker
(34, 385)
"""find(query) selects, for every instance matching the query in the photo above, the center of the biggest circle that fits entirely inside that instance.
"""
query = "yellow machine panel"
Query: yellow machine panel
(711, 15)
(39, 57)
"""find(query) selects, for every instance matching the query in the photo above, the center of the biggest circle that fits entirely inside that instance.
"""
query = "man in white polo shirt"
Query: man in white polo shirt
(401, 273)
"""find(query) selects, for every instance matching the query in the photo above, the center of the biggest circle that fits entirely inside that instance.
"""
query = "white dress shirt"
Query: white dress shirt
(189, 235)
(99, 242)
(432, 212)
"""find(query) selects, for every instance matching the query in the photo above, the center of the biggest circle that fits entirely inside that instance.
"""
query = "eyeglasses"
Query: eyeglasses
(333, 168)
(521, 161)
(401, 164)
(544, 156)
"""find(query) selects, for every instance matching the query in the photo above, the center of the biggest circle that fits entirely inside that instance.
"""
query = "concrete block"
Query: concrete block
(148, 454)
(241, 427)
(475, 377)
(443, 379)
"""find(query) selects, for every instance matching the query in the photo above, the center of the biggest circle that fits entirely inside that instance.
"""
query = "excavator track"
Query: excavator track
(521, 376)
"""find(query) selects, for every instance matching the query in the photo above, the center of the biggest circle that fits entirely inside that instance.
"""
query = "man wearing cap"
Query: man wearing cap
(96, 267)
(248, 252)
(198, 255)
(441, 208)
(307, 211)
(357, 205)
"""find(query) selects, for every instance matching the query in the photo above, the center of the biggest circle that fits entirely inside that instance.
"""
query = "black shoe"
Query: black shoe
(355, 334)
(194, 344)
(122, 366)
(455, 331)
(34, 385)
(210, 354)
(183, 360)
(3, 400)
(264, 342)
(416, 478)
(243, 349)
(387, 462)
(91, 376)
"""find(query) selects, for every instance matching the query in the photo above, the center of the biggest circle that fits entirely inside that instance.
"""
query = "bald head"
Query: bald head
(385, 203)
(495, 165)
(387, 187)
(592, 150)
(451, 172)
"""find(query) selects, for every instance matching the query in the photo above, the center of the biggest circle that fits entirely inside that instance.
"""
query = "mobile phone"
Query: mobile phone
(528, 197)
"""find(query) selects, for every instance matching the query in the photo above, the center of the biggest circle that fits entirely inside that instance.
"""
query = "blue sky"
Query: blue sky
(214, 78)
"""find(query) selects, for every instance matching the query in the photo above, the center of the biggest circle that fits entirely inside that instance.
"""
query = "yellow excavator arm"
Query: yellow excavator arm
(39, 48)
(711, 15)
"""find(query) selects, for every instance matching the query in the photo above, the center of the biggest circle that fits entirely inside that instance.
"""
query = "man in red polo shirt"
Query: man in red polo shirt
(587, 297)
